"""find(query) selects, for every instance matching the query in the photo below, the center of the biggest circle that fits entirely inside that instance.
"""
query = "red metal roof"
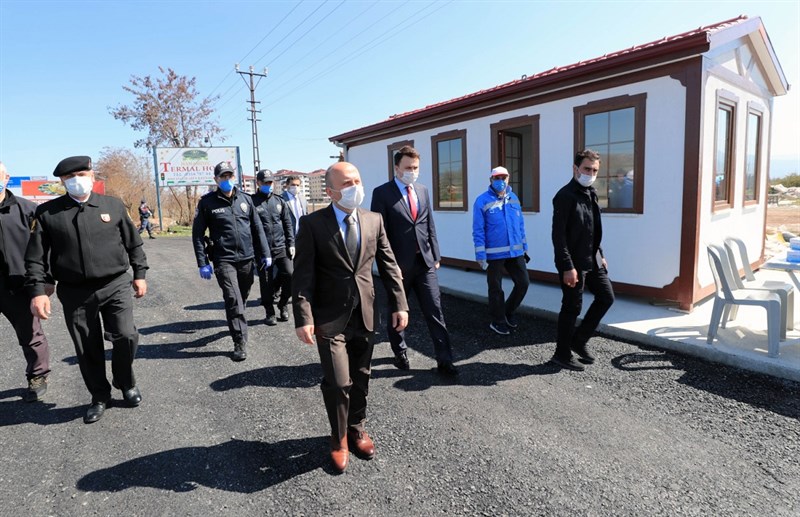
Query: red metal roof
(663, 46)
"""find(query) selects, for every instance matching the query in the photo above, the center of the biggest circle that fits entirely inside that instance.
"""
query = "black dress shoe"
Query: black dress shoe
(271, 321)
(447, 368)
(239, 352)
(570, 363)
(401, 361)
(584, 355)
(132, 396)
(95, 412)
(284, 314)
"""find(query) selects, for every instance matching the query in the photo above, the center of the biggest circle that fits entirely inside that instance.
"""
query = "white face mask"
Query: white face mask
(408, 177)
(351, 197)
(586, 180)
(293, 190)
(79, 186)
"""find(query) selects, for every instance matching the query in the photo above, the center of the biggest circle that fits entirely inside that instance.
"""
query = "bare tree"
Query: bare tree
(127, 176)
(170, 109)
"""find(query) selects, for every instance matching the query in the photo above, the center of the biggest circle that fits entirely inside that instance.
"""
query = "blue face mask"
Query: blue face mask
(226, 185)
(266, 189)
(499, 185)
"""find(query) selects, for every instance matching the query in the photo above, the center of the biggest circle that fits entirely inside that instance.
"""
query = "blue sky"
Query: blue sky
(333, 66)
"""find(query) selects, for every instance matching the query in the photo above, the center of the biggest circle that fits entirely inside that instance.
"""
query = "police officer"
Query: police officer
(16, 215)
(88, 241)
(237, 237)
(274, 214)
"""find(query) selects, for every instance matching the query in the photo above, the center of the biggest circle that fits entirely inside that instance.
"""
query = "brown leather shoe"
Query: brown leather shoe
(339, 454)
(361, 444)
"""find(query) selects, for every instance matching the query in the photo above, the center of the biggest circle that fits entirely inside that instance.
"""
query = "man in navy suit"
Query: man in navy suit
(408, 217)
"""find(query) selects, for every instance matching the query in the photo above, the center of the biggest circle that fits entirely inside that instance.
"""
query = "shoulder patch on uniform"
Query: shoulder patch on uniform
(279, 206)
(106, 218)
(243, 206)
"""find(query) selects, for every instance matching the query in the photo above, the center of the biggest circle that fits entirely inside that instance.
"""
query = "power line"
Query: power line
(367, 47)
(305, 33)
(291, 31)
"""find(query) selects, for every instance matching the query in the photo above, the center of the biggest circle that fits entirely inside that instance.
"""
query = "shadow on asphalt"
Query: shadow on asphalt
(748, 388)
(304, 376)
(219, 306)
(183, 327)
(470, 374)
(16, 411)
(172, 350)
(235, 466)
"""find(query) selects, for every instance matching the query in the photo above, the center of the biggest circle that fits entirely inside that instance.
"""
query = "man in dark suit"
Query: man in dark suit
(333, 297)
(408, 216)
(294, 199)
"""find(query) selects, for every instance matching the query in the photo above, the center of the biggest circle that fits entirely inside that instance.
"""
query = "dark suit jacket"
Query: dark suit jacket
(303, 205)
(325, 283)
(405, 235)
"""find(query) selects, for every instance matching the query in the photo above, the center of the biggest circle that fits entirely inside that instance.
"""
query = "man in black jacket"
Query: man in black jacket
(16, 215)
(87, 241)
(274, 214)
(577, 232)
(237, 237)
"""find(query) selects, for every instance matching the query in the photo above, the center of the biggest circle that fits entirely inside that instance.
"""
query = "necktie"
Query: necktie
(351, 239)
(412, 202)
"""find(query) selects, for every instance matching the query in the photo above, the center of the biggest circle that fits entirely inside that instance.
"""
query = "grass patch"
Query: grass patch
(177, 231)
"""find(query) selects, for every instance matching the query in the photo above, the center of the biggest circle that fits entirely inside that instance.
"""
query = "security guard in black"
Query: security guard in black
(237, 237)
(88, 242)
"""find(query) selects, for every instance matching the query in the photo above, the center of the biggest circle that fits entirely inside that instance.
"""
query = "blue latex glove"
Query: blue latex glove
(206, 272)
(266, 262)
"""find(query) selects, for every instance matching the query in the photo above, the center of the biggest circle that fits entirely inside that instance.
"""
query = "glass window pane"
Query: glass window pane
(595, 129)
(622, 125)
(751, 157)
(601, 186)
(721, 160)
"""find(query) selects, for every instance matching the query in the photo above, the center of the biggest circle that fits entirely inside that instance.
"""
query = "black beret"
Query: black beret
(223, 167)
(73, 164)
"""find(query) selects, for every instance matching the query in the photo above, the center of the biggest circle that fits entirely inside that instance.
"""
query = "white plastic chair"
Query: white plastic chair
(783, 289)
(728, 294)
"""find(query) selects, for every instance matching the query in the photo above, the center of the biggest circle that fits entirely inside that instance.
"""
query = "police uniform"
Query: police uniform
(237, 236)
(16, 215)
(88, 248)
(274, 214)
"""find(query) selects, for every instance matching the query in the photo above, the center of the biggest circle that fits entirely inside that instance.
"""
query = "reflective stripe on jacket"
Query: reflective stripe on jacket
(498, 229)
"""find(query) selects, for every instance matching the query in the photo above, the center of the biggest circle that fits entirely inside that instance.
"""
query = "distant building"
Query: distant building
(683, 125)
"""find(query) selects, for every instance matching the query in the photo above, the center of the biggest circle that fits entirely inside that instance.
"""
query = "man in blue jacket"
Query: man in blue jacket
(498, 232)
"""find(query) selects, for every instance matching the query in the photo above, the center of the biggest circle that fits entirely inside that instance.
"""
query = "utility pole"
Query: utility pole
(251, 84)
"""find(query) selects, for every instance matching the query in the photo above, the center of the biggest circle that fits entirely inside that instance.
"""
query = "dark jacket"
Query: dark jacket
(93, 242)
(577, 230)
(326, 283)
(16, 216)
(275, 216)
(407, 237)
(236, 233)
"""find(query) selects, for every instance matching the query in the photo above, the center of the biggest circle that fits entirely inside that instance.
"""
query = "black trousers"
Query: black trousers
(499, 307)
(235, 279)
(145, 224)
(345, 360)
(15, 305)
(276, 277)
(568, 336)
(424, 282)
(84, 307)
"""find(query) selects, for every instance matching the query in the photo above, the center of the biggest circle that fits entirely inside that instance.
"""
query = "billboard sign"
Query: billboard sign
(40, 191)
(179, 166)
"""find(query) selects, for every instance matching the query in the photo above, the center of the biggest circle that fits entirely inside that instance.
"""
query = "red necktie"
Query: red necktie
(412, 202)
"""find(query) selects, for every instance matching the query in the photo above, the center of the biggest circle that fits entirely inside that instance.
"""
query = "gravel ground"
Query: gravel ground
(641, 432)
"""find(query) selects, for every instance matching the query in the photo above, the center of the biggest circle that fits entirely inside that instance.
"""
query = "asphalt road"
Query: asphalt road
(641, 432)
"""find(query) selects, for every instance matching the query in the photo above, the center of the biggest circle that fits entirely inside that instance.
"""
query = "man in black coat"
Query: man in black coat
(274, 214)
(408, 217)
(577, 233)
(88, 242)
(16, 215)
(237, 238)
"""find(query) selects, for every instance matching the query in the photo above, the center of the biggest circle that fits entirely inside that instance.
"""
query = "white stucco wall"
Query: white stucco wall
(745, 222)
(642, 249)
